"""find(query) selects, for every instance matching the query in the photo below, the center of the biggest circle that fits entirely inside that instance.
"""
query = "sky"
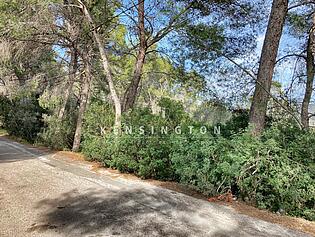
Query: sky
(283, 72)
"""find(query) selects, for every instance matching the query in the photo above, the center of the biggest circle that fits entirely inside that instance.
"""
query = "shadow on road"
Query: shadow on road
(12, 157)
(125, 213)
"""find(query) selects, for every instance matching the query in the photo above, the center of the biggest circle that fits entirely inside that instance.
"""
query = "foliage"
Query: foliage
(24, 118)
(138, 149)
(270, 172)
(5, 105)
(259, 171)
(273, 181)
(194, 157)
(273, 178)
(58, 134)
(98, 118)
(237, 123)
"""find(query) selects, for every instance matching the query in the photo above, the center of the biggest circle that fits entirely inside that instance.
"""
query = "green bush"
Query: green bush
(5, 106)
(297, 142)
(174, 112)
(147, 153)
(58, 134)
(209, 163)
(259, 171)
(98, 119)
(238, 123)
(273, 180)
(24, 117)
(144, 154)
(275, 171)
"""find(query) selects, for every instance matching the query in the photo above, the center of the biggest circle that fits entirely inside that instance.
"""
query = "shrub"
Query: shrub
(238, 123)
(145, 154)
(5, 106)
(206, 162)
(259, 171)
(295, 141)
(272, 180)
(24, 117)
(275, 171)
(174, 112)
(98, 118)
(58, 134)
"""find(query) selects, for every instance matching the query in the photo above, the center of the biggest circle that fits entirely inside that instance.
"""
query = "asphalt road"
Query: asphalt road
(44, 196)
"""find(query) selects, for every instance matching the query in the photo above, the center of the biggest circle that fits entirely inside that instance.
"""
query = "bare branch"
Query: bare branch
(291, 55)
(301, 4)
(273, 97)
(163, 32)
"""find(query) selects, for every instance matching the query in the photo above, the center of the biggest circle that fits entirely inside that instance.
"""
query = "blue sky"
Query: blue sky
(283, 72)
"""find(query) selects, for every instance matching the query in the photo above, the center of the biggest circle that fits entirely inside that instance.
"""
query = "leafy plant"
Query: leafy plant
(24, 117)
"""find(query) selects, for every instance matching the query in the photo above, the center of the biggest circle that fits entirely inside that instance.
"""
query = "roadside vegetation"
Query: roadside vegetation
(166, 90)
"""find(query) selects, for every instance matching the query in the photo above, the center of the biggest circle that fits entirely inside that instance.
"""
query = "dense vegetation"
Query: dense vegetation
(167, 90)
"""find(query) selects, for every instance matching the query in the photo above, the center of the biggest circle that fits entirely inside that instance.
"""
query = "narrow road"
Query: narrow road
(44, 196)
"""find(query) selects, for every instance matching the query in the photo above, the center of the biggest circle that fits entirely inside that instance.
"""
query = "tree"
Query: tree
(149, 35)
(300, 27)
(310, 72)
(106, 66)
(267, 64)
(131, 92)
(27, 43)
(224, 33)
(72, 34)
(84, 96)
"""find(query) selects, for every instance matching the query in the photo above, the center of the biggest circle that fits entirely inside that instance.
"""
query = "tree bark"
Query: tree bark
(106, 67)
(132, 90)
(85, 92)
(310, 72)
(266, 66)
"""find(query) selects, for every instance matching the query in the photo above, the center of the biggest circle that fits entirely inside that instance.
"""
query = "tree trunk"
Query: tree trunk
(266, 66)
(71, 78)
(310, 70)
(107, 70)
(110, 81)
(85, 92)
(132, 90)
(73, 66)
